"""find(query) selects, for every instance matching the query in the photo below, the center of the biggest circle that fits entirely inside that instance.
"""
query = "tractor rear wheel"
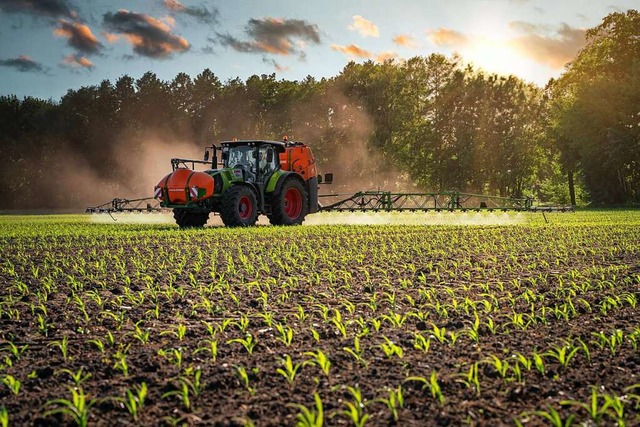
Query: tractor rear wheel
(189, 219)
(239, 207)
(290, 205)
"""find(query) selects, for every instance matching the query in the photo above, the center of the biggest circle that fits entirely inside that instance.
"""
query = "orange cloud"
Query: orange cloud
(405, 40)
(352, 50)
(553, 50)
(148, 36)
(447, 37)
(174, 5)
(77, 61)
(364, 27)
(79, 36)
(385, 56)
(110, 37)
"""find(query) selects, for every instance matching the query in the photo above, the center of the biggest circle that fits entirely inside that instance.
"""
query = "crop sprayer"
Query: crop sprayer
(248, 178)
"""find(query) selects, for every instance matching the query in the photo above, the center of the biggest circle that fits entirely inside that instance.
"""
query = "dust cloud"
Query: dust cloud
(342, 148)
(337, 129)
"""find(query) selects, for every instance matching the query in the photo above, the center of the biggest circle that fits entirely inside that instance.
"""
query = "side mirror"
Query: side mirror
(206, 155)
(328, 178)
(269, 155)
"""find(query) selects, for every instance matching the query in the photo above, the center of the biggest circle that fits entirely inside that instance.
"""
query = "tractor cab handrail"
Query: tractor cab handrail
(175, 163)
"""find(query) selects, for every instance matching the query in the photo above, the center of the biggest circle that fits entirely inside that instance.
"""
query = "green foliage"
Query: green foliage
(310, 417)
(594, 109)
(77, 407)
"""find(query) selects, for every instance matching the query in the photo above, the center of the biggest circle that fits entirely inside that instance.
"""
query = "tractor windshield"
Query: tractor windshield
(240, 156)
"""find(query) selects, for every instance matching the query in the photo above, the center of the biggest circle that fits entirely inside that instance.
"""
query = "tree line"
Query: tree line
(430, 121)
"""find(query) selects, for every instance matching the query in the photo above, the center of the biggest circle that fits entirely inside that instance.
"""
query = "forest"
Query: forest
(429, 123)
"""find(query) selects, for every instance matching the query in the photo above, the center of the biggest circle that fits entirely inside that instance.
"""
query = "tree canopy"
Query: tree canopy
(429, 122)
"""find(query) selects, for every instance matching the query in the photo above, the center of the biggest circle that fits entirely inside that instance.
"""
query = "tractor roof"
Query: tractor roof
(254, 142)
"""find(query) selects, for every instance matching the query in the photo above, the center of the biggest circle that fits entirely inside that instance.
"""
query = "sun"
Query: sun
(493, 55)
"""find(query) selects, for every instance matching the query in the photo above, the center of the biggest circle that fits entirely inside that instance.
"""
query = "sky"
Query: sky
(50, 46)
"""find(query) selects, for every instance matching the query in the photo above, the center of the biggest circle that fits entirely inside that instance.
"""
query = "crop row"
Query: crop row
(311, 325)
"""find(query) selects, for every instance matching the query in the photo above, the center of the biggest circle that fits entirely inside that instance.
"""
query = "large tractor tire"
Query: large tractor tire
(290, 205)
(239, 207)
(189, 219)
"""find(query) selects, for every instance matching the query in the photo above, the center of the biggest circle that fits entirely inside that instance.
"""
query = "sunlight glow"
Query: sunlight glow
(496, 55)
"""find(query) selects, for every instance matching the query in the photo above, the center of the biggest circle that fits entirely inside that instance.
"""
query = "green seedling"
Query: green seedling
(309, 417)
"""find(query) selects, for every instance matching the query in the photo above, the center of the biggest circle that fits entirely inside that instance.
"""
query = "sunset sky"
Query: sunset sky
(49, 46)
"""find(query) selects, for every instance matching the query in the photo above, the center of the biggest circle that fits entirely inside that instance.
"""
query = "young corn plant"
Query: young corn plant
(592, 407)
(285, 334)
(289, 370)
(212, 348)
(188, 387)
(439, 333)
(501, 366)
(63, 345)
(563, 354)
(421, 343)
(133, 400)
(432, 384)
(248, 342)
(390, 349)
(357, 352)
(14, 350)
(355, 409)
(4, 417)
(613, 341)
(471, 379)
(243, 377)
(394, 402)
(12, 383)
(309, 417)
(319, 359)
(554, 418)
(77, 407)
(78, 377)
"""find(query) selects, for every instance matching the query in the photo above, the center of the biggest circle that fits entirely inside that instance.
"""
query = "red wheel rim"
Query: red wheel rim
(293, 203)
(245, 207)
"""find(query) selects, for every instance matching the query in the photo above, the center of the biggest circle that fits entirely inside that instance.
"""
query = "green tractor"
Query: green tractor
(254, 177)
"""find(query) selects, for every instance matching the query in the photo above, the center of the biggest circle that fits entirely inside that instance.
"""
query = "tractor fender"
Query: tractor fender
(284, 177)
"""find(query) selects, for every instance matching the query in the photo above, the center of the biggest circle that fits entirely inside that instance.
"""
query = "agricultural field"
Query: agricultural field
(508, 322)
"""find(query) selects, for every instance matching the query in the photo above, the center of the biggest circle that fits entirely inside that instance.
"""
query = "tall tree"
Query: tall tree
(595, 107)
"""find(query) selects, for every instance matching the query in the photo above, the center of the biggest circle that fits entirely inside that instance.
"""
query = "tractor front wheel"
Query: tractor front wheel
(239, 207)
(189, 219)
(290, 205)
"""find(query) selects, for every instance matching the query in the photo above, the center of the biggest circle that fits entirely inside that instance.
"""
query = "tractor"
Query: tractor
(254, 177)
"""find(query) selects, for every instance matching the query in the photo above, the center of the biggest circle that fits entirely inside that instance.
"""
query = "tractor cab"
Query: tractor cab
(256, 161)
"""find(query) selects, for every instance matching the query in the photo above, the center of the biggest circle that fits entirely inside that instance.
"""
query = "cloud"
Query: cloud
(447, 37)
(274, 36)
(79, 36)
(23, 64)
(110, 37)
(405, 40)
(149, 36)
(352, 50)
(201, 13)
(364, 27)
(386, 56)
(551, 47)
(46, 8)
(77, 61)
(276, 65)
